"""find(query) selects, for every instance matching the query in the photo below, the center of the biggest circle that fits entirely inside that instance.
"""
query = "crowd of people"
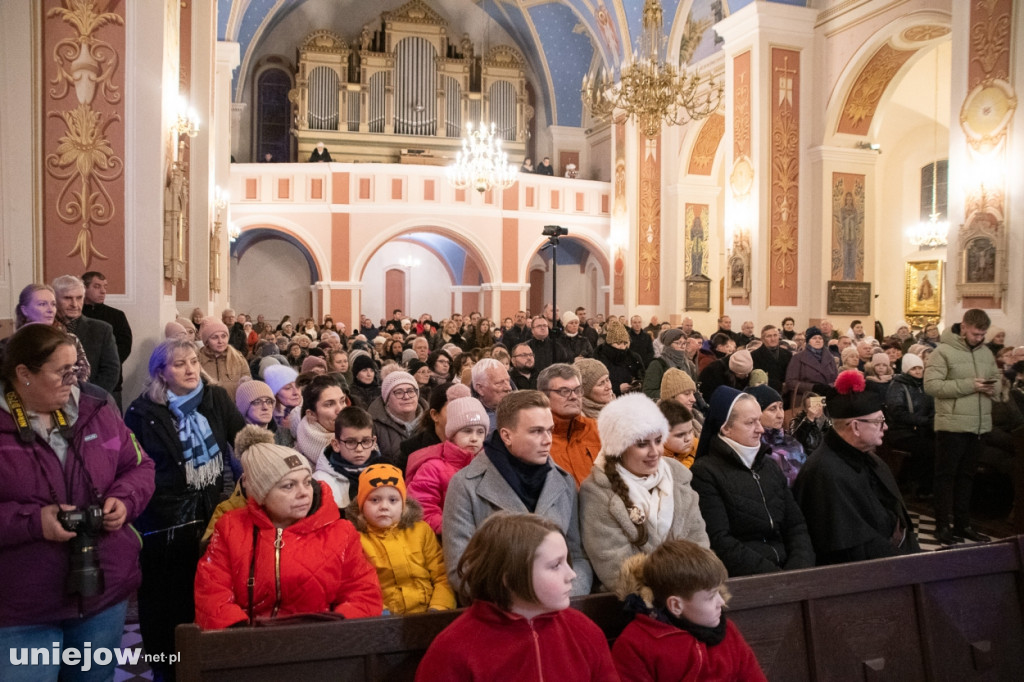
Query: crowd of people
(299, 467)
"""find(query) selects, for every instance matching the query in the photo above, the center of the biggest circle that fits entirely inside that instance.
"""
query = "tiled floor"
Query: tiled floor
(134, 673)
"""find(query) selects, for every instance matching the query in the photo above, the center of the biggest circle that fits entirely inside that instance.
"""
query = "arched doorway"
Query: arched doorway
(271, 274)
(582, 271)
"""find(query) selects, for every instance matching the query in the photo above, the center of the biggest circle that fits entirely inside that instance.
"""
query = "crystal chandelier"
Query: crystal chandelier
(933, 232)
(650, 90)
(481, 164)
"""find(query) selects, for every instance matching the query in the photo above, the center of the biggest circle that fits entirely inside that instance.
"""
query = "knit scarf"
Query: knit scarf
(674, 358)
(203, 463)
(350, 471)
(526, 480)
(311, 439)
(653, 495)
(591, 408)
(702, 633)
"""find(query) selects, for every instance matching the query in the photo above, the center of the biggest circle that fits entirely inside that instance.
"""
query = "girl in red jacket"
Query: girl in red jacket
(290, 540)
(516, 572)
(680, 632)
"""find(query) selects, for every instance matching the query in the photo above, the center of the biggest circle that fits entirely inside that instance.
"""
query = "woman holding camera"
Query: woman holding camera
(71, 476)
(185, 424)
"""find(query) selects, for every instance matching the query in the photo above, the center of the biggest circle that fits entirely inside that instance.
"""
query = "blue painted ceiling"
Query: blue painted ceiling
(557, 37)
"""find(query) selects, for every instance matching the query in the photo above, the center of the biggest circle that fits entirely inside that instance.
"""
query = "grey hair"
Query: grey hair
(559, 370)
(481, 368)
(66, 283)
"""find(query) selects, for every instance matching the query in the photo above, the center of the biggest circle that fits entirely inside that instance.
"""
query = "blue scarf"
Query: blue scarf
(199, 448)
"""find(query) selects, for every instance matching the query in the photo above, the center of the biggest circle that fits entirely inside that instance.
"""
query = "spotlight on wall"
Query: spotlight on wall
(873, 146)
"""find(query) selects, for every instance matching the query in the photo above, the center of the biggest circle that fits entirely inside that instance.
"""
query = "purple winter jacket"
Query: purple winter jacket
(33, 569)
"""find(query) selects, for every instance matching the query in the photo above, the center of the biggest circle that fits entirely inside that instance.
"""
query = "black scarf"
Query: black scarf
(349, 470)
(526, 480)
(702, 633)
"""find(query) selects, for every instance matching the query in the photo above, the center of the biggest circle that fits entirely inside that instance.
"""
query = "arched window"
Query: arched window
(941, 189)
(273, 114)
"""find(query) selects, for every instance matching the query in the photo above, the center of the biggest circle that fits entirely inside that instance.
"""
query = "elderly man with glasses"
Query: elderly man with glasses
(849, 497)
(575, 442)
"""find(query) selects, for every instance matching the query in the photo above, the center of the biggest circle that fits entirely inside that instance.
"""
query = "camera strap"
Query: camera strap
(25, 432)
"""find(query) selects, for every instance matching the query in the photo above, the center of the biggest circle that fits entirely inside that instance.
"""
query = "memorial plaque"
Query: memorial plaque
(698, 293)
(849, 298)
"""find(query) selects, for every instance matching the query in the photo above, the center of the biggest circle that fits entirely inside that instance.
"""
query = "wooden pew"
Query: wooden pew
(951, 615)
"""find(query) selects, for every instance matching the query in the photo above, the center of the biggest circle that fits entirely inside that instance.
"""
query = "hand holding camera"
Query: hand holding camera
(52, 528)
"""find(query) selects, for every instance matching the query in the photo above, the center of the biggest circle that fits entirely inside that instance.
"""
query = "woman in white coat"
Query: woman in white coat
(635, 498)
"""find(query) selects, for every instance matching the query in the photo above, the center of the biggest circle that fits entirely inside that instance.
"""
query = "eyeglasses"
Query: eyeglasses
(876, 422)
(69, 375)
(364, 444)
(405, 392)
(567, 392)
(523, 355)
(262, 402)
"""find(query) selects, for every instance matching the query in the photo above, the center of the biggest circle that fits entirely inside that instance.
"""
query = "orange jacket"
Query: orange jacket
(575, 445)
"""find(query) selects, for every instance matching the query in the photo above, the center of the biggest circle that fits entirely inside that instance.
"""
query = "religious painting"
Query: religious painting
(847, 227)
(696, 240)
(923, 288)
(982, 271)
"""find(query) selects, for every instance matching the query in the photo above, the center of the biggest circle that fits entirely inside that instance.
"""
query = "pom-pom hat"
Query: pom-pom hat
(464, 412)
(626, 420)
(265, 463)
(849, 400)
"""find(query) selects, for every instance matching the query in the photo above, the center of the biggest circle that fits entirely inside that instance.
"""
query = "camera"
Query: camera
(555, 231)
(85, 576)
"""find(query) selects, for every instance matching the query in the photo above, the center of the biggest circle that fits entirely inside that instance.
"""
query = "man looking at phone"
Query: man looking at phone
(961, 376)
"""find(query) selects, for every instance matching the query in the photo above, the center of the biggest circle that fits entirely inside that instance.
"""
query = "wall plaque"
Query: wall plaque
(698, 293)
(849, 298)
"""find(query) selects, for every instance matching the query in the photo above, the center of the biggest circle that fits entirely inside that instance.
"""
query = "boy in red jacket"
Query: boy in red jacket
(680, 632)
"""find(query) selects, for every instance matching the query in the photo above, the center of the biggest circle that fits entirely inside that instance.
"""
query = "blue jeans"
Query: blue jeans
(103, 630)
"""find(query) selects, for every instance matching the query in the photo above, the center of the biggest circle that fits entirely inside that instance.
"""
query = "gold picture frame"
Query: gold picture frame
(923, 289)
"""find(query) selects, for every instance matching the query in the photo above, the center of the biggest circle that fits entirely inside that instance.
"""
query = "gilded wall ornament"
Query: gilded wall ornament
(84, 159)
(785, 177)
(706, 146)
(867, 90)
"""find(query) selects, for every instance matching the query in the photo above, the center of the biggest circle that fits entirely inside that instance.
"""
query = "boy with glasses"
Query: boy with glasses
(352, 450)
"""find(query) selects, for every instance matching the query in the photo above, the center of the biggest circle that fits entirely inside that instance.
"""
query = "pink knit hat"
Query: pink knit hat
(394, 380)
(209, 327)
(312, 362)
(741, 363)
(463, 412)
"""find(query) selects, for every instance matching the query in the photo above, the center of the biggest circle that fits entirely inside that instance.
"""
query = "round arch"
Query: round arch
(469, 242)
(589, 240)
(288, 231)
(892, 33)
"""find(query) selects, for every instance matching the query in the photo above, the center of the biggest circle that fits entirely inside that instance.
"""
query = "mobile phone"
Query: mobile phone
(988, 382)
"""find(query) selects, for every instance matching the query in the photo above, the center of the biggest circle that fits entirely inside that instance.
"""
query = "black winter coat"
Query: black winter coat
(153, 424)
(624, 366)
(754, 524)
(909, 411)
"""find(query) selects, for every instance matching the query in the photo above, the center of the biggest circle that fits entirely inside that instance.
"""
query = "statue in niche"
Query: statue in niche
(365, 38)
(696, 247)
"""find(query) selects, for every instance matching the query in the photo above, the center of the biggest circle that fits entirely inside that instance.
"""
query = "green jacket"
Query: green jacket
(949, 376)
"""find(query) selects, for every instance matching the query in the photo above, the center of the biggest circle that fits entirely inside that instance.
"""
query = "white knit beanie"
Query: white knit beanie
(626, 420)
(278, 376)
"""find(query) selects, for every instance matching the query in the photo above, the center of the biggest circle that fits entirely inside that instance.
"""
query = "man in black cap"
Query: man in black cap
(849, 497)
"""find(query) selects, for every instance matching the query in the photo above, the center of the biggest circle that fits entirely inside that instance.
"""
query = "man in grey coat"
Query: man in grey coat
(515, 473)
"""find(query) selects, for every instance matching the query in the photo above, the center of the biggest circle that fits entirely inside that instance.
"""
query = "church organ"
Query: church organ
(406, 85)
